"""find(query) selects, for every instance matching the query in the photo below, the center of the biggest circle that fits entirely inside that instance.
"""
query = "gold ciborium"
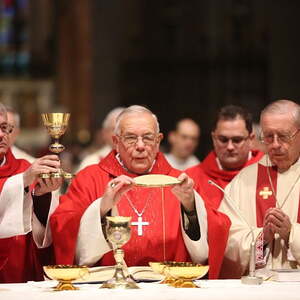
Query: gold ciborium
(65, 274)
(183, 273)
(118, 233)
(159, 268)
(56, 124)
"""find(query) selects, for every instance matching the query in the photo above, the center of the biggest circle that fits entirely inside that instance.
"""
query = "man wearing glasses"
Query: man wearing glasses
(267, 194)
(22, 218)
(171, 224)
(232, 140)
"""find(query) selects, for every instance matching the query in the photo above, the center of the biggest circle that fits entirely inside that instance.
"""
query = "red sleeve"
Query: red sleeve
(86, 187)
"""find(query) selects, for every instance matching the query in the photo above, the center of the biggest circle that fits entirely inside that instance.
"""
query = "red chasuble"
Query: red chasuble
(18, 255)
(160, 240)
(209, 170)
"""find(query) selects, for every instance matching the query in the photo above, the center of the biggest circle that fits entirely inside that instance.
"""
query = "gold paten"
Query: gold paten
(65, 274)
(155, 180)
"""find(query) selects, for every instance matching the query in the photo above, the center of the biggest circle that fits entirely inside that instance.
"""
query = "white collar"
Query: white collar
(3, 162)
(220, 166)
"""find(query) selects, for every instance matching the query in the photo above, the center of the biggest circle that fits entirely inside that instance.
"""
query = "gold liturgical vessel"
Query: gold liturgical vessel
(118, 233)
(65, 274)
(56, 124)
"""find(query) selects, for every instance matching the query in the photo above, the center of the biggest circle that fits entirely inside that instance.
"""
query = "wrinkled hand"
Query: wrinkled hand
(114, 191)
(45, 164)
(278, 222)
(185, 192)
(44, 186)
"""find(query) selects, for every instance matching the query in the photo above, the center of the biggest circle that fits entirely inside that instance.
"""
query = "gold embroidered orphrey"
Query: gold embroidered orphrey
(265, 193)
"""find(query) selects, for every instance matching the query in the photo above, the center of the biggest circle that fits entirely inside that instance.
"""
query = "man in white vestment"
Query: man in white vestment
(267, 197)
(183, 141)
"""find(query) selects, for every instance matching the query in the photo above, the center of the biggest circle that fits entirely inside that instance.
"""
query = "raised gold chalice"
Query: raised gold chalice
(56, 124)
(118, 233)
(65, 274)
(184, 273)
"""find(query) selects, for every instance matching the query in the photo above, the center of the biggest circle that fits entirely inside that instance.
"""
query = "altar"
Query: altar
(209, 290)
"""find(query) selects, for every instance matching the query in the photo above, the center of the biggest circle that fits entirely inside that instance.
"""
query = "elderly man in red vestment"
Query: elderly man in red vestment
(267, 196)
(177, 226)
(232, 136)
(22, 214)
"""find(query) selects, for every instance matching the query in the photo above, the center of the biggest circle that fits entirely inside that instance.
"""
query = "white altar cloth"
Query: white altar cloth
(210, 290)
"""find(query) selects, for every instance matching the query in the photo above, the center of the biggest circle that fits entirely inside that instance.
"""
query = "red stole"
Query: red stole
(264, 200)
(90, 184)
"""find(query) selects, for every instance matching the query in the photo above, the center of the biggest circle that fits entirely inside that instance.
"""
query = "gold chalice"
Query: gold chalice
(65, 274)
(56, 124)
(118, 233)
(184, 273)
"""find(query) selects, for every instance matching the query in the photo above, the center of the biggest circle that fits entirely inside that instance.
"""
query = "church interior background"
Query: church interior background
(181, 58)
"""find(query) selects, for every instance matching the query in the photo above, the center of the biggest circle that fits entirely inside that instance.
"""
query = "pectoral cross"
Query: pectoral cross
(140, 225)
(265, 193)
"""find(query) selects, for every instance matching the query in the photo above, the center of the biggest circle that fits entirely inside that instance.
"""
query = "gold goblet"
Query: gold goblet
(118, 233)
(65, 274)
(56, 124)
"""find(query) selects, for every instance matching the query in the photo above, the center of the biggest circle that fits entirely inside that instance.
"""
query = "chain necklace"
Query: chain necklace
(272, 187)
(139, 222)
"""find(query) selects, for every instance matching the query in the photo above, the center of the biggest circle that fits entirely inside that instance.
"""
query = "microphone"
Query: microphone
(251, 278)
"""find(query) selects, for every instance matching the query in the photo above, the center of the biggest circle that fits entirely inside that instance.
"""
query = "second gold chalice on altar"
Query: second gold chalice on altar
(56, 124)
(65, 274)
(118, 233)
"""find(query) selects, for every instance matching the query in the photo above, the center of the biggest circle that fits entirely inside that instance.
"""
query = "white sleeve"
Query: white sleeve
(41, 234)
(198, 250)
(91, 242)
(15, 208)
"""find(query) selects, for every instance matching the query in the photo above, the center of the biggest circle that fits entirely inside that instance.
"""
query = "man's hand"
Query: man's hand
(114, 191)
(45, 164)
(44, 186)
(185, 192)
(279, 223)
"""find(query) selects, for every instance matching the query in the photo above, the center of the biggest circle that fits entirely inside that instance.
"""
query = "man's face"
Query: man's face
(232, 143)
(4, 142)
(185, 139)
(282, 139)
(138, 142)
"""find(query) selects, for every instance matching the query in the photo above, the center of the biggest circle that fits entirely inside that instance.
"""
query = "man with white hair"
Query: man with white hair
(107, 131)
(267, 195)
(25, 200)
(173, 224)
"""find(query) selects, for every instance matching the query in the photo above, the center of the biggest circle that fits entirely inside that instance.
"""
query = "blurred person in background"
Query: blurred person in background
(232, 137)
(256, 143)
(14, 120)
(107, 132)
(183, 141)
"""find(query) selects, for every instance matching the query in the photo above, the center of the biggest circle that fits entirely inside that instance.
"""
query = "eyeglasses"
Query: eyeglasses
(281, 137)
(131, 139)
(236, 140)
(6, 128)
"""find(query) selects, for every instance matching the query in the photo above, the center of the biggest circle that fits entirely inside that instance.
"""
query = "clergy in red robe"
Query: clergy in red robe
(266, 194)
(21, 214)
(167, 224)
(232, 139)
